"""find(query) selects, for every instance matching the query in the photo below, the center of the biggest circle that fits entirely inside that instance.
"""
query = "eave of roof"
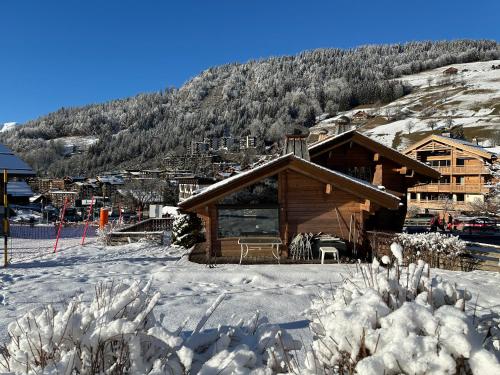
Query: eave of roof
(357, 187)
(384, 151)
(14, 165)
(475, 149)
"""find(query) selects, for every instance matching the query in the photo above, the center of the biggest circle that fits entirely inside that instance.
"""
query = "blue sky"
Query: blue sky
(75, 52)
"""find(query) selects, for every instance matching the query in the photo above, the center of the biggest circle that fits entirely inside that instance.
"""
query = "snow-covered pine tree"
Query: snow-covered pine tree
(187, 230)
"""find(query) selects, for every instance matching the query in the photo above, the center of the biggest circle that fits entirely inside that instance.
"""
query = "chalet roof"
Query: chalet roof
(459, 143)
(19, 189)
(13, 164)
(384, 151)
(344, 182)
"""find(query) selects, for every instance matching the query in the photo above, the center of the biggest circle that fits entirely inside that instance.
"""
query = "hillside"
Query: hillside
(470, 98)
(260, 98)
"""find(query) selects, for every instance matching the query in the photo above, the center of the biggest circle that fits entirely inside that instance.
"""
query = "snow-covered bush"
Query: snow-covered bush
(187, 230)
(117, 333)
(437, 249)
(395, 321)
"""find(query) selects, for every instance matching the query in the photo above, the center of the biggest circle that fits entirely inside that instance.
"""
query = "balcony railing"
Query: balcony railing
(449, 188)
(437, 203)
(475, 169)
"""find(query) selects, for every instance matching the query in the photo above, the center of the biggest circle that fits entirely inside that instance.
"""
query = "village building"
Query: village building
(188, 185)
(199, 148)
(110, 185)
(18, 191)
(86, 190)
(465, 170)
(248, 142)
(450, 71)
(338, 191)
(59, 197)
(44, 185)
(359, 117)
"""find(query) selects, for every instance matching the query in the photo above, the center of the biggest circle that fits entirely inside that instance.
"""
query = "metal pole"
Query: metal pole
(88, 218)
(60, 224)
(5, 220)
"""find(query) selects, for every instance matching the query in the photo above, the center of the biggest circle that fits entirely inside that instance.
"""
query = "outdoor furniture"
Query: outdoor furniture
(325, 240)
(260, 243)
(331, 250)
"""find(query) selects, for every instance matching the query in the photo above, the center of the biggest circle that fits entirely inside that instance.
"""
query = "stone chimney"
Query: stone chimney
(296, 142)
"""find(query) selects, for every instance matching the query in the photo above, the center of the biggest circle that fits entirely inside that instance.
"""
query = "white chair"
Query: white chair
(331, 250)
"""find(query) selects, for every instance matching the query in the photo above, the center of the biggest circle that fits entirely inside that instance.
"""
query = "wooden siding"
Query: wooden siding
(304, 207)
(311, 209)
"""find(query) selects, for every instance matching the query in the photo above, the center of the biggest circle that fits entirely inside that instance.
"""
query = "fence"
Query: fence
(45, 232)
(30, 242)
(152, 229)
(480, 256)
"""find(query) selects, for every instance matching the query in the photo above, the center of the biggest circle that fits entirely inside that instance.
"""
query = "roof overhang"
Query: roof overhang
(451, 142)
(341, 181)
(374, 146)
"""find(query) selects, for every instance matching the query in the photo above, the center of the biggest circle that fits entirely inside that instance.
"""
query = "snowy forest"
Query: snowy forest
(259, 97)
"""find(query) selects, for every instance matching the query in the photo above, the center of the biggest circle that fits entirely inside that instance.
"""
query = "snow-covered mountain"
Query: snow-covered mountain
(263, 98)
(470, 98)
(7, 126)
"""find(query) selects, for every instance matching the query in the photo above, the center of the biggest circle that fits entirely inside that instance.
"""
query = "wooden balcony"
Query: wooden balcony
(449, 188)
(463, 170)
(439, 204)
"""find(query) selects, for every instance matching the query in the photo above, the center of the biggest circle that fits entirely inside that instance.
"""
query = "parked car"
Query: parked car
(418, 223)
(475, 224)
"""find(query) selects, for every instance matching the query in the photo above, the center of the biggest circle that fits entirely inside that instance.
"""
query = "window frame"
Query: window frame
(245, 207)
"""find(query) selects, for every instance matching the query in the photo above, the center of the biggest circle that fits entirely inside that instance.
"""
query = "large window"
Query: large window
(251, 211)
(238, 222)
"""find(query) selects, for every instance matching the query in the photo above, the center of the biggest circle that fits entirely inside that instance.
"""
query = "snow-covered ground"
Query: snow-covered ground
(282, 292)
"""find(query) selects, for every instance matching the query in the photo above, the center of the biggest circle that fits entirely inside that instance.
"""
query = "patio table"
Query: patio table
(259, 243)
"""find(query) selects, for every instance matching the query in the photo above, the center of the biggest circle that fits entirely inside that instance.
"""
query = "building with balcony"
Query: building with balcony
(466, 174)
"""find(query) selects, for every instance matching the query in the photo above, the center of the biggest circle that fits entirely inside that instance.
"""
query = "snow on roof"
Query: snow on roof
(35, 197)
(170, 210)
(219, 184)
(113, 180)
(329, 139)
(465, 143)
(493, 150)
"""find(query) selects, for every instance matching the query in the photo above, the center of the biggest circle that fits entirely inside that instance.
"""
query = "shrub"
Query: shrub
(187, 230)
(437, 249)
(395, 321)
(117, 333)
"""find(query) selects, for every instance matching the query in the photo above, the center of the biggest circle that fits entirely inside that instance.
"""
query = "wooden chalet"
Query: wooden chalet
(464, 169)
(359, 156)
(336, 192)
(359, 117)
(450, 71)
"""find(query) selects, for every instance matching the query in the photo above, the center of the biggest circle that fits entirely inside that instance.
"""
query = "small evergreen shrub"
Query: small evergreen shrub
(187, 230)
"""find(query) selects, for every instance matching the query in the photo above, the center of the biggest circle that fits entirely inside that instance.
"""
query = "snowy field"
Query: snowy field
(282, 292)
(471, 98)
